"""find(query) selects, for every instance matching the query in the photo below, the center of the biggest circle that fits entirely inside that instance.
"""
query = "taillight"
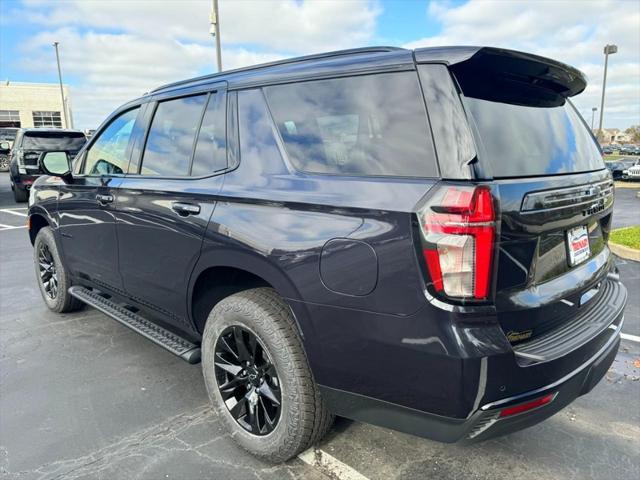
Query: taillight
(458, 232)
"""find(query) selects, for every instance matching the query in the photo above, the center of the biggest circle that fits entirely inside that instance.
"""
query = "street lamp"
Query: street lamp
(214, 18)
(593, 114)
(608, 50)
(64, 105)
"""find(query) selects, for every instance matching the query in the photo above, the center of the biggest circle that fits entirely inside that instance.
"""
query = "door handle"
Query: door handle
(184, 209)
(104, 199)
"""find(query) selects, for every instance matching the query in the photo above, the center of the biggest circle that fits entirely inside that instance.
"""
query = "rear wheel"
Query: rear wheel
(20, 195)
(53, 279)
(258, 378)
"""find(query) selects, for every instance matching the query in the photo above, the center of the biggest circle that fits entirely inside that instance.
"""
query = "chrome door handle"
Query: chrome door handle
(184, 209)
(104, 199)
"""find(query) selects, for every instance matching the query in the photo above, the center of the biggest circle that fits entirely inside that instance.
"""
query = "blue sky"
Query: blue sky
(112, 51)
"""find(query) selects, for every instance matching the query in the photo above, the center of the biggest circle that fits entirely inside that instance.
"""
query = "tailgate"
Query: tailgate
(552, 254)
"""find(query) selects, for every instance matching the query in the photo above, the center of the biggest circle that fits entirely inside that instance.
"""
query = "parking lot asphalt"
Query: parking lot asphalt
(627, 207)
(82, 397)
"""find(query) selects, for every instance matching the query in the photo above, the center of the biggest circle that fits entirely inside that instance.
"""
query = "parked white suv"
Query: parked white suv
(632, 173)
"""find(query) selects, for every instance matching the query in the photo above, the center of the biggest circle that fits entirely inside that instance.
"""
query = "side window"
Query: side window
(109, 153)
(451, 133)
(364, 125)
(211, 154)
(170, 140)
(258, 144)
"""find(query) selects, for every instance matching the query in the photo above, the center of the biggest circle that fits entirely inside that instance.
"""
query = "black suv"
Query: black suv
(415, 239)
(29, 146)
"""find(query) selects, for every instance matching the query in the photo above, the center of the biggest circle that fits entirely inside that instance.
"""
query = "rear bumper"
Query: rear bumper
(486, 422)
(24, 182)
(451, 395)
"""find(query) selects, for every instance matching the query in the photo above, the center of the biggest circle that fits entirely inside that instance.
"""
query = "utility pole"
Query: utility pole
(608, 50)
(214, 18)
(64, 104)
(593, 114)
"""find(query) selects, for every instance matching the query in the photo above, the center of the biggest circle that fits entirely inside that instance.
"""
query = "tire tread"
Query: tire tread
(312, 418)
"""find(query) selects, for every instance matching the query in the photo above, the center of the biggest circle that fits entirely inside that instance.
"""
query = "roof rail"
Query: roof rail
(337, 53)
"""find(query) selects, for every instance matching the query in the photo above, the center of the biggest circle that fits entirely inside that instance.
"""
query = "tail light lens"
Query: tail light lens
(30, 158)
(458, 232)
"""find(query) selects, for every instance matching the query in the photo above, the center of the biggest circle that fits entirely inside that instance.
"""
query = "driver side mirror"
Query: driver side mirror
(56, 164)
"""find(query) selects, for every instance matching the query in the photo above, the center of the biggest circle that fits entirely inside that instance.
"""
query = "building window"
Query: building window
(9, 118)
(47, 119)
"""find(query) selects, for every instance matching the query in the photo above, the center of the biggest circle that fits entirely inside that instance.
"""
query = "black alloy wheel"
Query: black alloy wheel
(48, 271)
(247, 380)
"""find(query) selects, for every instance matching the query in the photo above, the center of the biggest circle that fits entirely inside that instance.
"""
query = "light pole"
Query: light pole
(215, 31)
(64, 105)
(608, 50)
(593, 114)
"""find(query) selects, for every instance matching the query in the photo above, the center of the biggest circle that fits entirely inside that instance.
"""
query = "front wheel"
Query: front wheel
(53, 279)
(258, 378)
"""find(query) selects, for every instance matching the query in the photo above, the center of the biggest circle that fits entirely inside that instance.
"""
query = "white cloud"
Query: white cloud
(570, 31)
(115, 51)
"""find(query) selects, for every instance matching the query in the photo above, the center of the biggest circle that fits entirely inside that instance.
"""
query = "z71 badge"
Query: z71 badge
(518, 336)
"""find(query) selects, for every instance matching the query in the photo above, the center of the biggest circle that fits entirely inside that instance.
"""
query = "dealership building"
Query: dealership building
(24, 105)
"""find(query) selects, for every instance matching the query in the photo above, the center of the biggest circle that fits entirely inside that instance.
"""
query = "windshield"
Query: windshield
(53, 141)
(521, 140)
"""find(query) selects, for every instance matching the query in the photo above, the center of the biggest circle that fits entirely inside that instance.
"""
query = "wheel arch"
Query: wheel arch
(37, 221)
(216, 276)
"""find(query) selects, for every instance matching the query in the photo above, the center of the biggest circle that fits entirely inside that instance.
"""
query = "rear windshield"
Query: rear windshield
(366, 125)
(53, 141)
(8, 134)
(521, 140)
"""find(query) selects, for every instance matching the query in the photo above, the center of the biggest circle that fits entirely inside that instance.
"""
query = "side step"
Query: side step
(179, 346)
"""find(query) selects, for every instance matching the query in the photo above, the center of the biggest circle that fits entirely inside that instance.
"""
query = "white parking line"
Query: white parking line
(10, 227)
(633, 338)
(331, 465)
(12, 212)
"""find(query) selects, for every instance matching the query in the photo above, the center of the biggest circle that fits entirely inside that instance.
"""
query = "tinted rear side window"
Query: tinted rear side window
(258, 138)
(365, 125)
(170, 141)
(451, 133)
(210, 154)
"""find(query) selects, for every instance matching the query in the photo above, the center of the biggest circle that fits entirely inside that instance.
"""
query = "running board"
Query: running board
(179, 346)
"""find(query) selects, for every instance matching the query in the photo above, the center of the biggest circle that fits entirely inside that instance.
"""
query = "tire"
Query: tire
(20, 195)
(303, 417)
(61, 301)
(4, 163)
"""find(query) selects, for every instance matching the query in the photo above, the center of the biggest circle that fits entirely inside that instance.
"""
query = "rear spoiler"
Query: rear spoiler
(485, 65)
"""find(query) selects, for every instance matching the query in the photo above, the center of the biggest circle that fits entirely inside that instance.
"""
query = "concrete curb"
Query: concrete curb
(625, 252)
(627, 185)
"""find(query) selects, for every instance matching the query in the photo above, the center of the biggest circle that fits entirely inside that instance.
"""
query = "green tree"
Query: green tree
(634, 132)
